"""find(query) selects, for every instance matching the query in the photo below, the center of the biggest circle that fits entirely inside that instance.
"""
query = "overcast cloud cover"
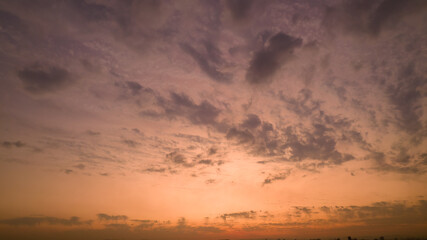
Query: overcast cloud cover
(212, 119)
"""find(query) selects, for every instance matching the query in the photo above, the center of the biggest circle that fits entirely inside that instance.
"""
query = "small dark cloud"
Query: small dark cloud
(130, 143)
(276, 177)
(38, 79)
(247, 215)
(91, 11)
(212, 151)
(304, 210)
(252, 121)
(382, 164)
(193, 138)
(206, 162)
(304, 105)
(8, 144)
(392, 11)
(106, 217)
(104, 174)
(267, 61)
(210, 229)
(68, 171)
(92, 133)
(406, 96)
(239, 8)
(181, 105)
(32, 221)
(133, 88)
(241, 136)
(369, 17)
(402, 157)
(154, 170)
(143, 224)
(210, 181)
(80, 166)
(136, 130)
(178, 159)
(209, 62)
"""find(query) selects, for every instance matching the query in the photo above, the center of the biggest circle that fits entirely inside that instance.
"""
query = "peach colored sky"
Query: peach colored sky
(212, 119)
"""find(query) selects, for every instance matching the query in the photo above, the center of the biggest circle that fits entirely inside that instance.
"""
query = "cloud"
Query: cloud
(381, 164)
(304, 105)
(276, 177)
(246, 215)
(106, 217)
(406, 96)
(369, 17)
(134, 88)
(8, 144)
(39, 79)
(92, 133)
(32, 221)
(178, 159)
(252, 121)
(80, 166)
(206, 162)
(240, 136)
(267, 61)
(181, 105)
(154, 170)
(209, 62)
(130, 143)
(239, 8)
(210, 181)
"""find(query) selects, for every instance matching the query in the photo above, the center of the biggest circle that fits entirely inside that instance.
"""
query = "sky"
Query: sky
(213, 119)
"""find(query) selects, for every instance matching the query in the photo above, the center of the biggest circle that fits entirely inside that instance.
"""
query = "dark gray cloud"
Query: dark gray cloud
(131, 143)
(12, 26)
(393, 212)
(276, 177)
(239, 8)
(92, 133)
(303, 210)
(247, 215)
(392, 11)
(240, 136)
(194, 138)
(304, 105)
(370, 17)
(38, 79)
(80, 166)
(316, 145)
(382, 163)
(143, 224)
(178, 159)
(181, 105)
(268, 60)
(212, 151)
(154, 170)
(32, 221)
(8, 144)
(106, 217)
(209, 62)
(406, 96)
(252, 121)
(134, 88)
(210, 181)
(206, 161)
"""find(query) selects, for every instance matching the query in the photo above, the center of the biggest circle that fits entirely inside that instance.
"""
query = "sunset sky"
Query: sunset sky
(213, 119)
